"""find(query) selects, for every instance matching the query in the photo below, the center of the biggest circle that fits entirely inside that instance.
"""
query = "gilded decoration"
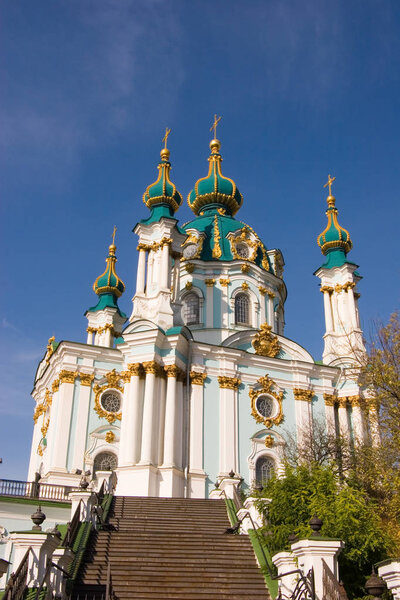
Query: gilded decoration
(113, 382)
(262, 290)
(126, 376)
(326, 289)
(45, 428)
(197, 378)
(50, 348)
(267, 386)
(342, 402)
(110, 437)
(269, 441)
(189, 267)
(230, 383)
(245, 286)
(86, 379)
(209, 282)
(271, 295)
(172, 370)
(305, 395)
(68, 376)
(153, 367)
(216, 251)
(244, 236)
(136, 369)
(330, 399)
(197, 240)
(55, 386)
(265, 343)
(224, 282)
(245, 268)
(189, 285)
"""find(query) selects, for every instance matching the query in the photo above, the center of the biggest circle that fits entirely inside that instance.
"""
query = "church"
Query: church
(198, 386)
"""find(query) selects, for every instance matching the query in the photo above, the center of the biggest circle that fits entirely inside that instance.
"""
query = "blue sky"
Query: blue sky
(88, 87)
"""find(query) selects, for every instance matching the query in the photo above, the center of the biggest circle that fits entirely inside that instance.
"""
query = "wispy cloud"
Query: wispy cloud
(7, 325)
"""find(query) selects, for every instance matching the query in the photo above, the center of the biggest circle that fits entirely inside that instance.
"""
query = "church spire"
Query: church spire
(334, 241)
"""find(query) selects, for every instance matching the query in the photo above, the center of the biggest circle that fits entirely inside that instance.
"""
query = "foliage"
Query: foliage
(346, 511)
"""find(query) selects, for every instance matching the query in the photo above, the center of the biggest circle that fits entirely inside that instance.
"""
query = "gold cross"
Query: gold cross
(214, 125)
(165, 138)
(329, 184)
(113, 235)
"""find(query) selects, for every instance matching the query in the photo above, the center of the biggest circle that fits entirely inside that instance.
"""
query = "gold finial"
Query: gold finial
(214, 125)
(328, 184)
(112, 247)
(113, 234)
(165, 138)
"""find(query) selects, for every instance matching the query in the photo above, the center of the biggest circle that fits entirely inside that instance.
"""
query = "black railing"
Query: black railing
(15, 588)
(332, 589)
(32, 489)
(72, 528)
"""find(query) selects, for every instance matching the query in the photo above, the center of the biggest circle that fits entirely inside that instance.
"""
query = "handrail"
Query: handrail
(16, 584)
(333, 590)
(34, 489)
(72, 528)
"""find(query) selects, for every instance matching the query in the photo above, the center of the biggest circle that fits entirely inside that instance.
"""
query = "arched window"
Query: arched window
(105, 461)
(242, 309)
(191, 309)
(265, 468)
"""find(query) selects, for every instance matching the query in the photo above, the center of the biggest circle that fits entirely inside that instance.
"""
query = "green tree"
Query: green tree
(346, 511)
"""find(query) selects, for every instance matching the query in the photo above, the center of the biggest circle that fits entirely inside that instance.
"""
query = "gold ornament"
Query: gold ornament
(55, 386)
(330, 399)
(342, 402)
(189, 267)
(224, 282)
(153, 367)
(209, 282)
(269, 441)
(110, 437)
(266, 343)
(245, 268)
(231, 383)
(113, 382)
(267, 386)
(245, 286)
(50, 349)
(262, 290)
(197, 378)
(216, 251)
(68, 376)
(189, 285)
(305, 395)
(172, 370)
(136, 369)
(86, 379)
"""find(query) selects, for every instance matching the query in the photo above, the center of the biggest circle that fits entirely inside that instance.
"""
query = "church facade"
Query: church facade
(199, 386)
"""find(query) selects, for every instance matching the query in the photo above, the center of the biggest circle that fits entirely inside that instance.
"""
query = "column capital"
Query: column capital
(231, 383)
(330, 399)
(67, 376)
(224, 281)
(326, 289)
(197, 378)
(209, 282)
(86, 379)
(153, 367)
(305, 395)
(135, 369)
(172, 370)
(354, 400)
(342, 402)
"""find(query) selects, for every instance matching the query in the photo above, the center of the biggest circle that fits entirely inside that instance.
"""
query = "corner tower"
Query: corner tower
(339, 278)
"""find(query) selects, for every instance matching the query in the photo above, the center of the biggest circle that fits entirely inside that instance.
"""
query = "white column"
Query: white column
(150, 264)
(262, 308)
(343, 418)
(170, 415)
(352, 307)
(89, 339)
(210, 302)
(134, 415)
(178, 449)
(165, 266)
(311, 552)
(303, 417)
(357, 419)
(146, 457)
(141, 271)
(330, 414)
(271, 321)
(224, 303)
(389, 570)
(108, 337)
(82, 420)
(125, 431)
(177, 278)
(156, 268)
(228, 425)
(37, 435)
(63, 420)
(162, 390)
(374, 423)
(327, 310)
(196, 421)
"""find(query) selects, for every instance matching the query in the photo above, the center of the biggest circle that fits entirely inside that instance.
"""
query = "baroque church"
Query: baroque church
(198, 386)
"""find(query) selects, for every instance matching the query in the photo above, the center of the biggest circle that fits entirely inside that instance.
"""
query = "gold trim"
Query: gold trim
(45, 428)
(209, 282)
(245, 268)
(153, 367)
(113, 382)
(355, 400)
(189, 267)
(230, 383)
(189, 285)
(265, 343)
(172, 370)
(304, 395)
(330, 399)
(55, 385)
(342, 402)
(224, 282)
(262, 290)
(197, 378)
(216, 251)
(267, 387)
(245, 286)
(269, 441)
(86, 379)
(50, 349)
(68, 376)
(136, 369)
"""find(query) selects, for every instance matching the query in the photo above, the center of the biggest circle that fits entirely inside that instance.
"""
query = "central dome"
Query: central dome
(215, 190)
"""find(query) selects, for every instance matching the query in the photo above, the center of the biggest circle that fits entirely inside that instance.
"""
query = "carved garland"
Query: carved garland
(113, 382)
(267, 387)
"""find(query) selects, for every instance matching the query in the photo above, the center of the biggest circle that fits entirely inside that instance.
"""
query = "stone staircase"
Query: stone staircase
(163, 548)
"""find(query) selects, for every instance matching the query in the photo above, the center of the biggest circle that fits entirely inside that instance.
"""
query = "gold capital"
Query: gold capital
(224, 282)
(197, 378)
(305, 395)
(209, 282)
(330, 399)
(172, 370)
(135, 369)
(152, 367)
(231, 383)
(67, 376)
(86, 379)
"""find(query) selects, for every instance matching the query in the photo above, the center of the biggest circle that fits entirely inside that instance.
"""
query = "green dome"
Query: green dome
(216, 236)
(109, 282)
(163, 191)
(215, 190)
(334, 237)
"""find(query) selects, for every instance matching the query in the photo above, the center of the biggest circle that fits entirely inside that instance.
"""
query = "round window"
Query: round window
(190, 250)
(105, 461)
(242, 250)
(111, 401)
(265, 406)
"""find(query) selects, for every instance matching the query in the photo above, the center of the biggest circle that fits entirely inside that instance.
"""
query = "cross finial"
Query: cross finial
(214, 125)
(113, 235)
(328, 184)
(165, 138)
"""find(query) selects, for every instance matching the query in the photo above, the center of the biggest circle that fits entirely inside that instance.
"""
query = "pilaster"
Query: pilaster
(228, 435)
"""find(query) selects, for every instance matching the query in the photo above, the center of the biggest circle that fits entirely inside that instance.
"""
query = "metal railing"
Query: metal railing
(332, 589)
(32, 489)
(16, 585)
